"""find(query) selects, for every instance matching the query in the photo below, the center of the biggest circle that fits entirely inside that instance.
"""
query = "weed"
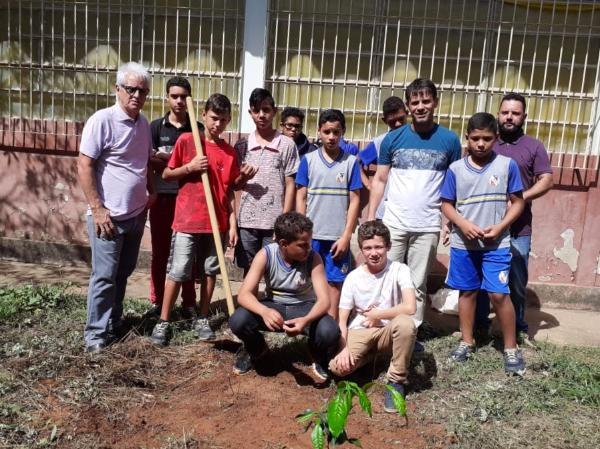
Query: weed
(31, 299)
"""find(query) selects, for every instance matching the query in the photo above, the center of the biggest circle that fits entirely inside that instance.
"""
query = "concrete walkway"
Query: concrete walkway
(559, 326)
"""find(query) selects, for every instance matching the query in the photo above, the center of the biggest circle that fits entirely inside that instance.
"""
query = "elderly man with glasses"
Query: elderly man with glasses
(114, 153)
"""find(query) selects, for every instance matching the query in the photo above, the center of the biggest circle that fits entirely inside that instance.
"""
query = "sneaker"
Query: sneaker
(418, 347)
(321, 372)
(203, 330)
(388, 398)
(513, 362)
(462, 353)
(161, 333)
(95, 348)
(243, 362)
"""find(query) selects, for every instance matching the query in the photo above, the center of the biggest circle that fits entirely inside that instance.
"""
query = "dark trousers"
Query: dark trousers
(323, 333)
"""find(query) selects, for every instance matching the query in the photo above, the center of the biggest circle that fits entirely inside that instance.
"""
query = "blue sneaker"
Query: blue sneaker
(462, 352)
(513, 362)
(418, 347)
(388, 401)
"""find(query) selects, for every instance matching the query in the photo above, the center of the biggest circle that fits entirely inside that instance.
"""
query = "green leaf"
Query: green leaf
(337, 413)
(342, 385)
(317, 437)
(354, 441)
(305, 416)
(364, 401)
(398, 399)
(53, 434)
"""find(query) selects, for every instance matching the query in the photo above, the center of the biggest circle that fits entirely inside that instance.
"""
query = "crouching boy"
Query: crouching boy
(296, 300)
(376, 309)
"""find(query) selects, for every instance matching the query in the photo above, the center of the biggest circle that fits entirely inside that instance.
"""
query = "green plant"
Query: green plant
(329, 423)
(31, 299)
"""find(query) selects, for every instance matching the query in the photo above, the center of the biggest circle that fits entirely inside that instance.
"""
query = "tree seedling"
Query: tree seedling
(329, 423)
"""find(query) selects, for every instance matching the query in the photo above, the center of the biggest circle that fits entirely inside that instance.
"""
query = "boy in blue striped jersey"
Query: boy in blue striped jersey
(475, 198)
(328, 192)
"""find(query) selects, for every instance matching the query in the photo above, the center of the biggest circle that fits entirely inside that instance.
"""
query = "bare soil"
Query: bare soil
(149, 397)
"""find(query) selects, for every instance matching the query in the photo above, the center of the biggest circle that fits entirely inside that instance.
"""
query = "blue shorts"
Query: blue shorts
(475, 270)
(335, 270)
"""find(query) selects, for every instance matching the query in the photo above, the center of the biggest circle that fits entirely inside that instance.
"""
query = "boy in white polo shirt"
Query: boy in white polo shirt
(376, 313)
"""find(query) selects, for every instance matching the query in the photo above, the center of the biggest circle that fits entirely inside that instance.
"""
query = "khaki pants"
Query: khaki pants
(397, 338)
(417, 250)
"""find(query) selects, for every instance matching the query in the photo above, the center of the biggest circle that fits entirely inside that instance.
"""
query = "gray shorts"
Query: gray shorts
(189, 248)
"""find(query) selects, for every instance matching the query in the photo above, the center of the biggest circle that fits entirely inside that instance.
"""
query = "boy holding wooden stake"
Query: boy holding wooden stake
(193, 239)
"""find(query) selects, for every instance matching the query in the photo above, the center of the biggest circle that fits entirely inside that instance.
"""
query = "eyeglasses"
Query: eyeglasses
(131, 90)
(291, 126)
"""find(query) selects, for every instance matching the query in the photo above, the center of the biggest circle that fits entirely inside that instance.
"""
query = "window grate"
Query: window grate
(353, 54)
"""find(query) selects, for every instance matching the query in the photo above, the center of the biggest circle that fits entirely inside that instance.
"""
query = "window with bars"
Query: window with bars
(58, 59)
(352, 54)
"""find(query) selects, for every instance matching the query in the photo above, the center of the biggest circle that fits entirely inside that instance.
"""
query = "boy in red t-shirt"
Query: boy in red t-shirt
(193, 240)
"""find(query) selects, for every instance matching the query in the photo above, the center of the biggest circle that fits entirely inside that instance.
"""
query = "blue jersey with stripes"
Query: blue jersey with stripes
(481, 196)
(328, 185)
(418, 164)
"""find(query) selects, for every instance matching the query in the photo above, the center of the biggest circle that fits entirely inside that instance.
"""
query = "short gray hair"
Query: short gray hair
(132, 68)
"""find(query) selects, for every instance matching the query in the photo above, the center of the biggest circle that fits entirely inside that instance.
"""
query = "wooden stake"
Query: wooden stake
(214, 224)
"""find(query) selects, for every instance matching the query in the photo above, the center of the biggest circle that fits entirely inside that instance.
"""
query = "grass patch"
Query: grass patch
(16, 301)
(556, 404)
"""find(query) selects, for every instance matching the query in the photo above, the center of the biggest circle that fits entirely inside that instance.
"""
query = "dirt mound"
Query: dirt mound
(188, 397)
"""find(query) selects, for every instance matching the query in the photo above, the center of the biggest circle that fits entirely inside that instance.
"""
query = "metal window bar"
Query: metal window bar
(58, 58)
(500, 48)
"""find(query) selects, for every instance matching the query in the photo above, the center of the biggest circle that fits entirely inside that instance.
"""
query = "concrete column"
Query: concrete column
(255, 56)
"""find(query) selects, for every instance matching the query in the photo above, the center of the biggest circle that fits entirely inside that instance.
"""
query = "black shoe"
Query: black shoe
(95, 349)
(243, 362)
(115, 331)
(321, 372)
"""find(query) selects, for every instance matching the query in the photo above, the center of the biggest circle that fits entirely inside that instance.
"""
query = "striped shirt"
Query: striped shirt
(481, 196)
(328, 185)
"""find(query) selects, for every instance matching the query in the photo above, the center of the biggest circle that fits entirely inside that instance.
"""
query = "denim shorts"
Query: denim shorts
(189, 248)
(474, 270)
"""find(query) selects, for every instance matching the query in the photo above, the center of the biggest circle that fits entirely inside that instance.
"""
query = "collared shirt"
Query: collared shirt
(164, 136)
(532, 159)
(261, 200)
(121, 149)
